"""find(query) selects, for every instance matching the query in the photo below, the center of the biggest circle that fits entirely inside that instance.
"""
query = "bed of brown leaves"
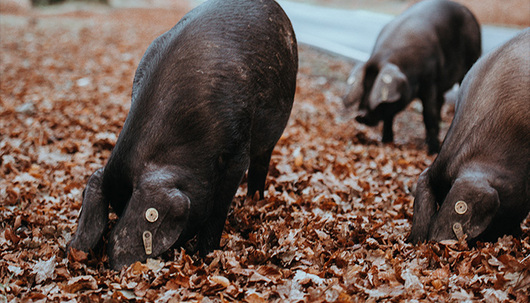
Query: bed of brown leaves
(332, 228)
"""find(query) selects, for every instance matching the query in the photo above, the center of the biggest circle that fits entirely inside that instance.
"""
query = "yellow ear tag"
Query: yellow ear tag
(461, 207)
(458, 230)
(151, 215)
(351, 79)
(148, 242)
(384, 94)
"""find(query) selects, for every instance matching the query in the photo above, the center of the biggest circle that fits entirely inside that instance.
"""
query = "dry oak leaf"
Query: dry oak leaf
(81, 283)
(75, 255)
(254, 298)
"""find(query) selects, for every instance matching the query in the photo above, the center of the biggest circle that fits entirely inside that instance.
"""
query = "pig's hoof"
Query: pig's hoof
(433, 149)
(369, 121)
(388, 140)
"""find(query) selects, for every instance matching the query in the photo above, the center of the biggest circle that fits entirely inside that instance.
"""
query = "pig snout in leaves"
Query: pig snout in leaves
(478, 188)
(211, 98)
(421, 54)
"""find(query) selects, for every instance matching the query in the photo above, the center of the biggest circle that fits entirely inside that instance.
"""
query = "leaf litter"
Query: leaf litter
(338, 203)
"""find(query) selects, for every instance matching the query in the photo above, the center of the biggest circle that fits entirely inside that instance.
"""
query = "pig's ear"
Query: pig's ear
(482, 209)
(93, 216)
(355, 89)
(173, 220)
(424, 209)
(389, 86)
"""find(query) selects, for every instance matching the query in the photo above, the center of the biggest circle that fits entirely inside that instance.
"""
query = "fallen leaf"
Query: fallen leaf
(76, 284)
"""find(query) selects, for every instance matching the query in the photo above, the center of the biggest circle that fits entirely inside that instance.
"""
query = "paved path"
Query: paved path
(352, 33)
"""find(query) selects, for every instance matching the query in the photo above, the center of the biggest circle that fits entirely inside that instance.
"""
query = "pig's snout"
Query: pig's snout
(125, 248)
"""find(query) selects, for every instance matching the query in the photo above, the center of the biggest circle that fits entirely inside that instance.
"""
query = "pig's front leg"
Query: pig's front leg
(388, 133)
(94, 215)
(257, 173)
(209, 237)
(424, 209)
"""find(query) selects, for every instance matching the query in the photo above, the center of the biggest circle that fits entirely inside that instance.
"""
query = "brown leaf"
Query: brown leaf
(254, 298)
(138, 268)
(257, 277)
(180, 281)
(80, 283)
(75, 255)
(11, 236)
(141, 289)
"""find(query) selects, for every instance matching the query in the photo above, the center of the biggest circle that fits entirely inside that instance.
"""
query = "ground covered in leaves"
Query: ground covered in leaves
(331, 228)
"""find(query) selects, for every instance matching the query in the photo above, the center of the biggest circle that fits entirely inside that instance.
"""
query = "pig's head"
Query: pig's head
(155, 217)
(467, 210)
(355, 90)
(389, 94)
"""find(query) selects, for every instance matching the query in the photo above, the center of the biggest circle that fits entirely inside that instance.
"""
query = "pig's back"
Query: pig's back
(199, 85)
(429, 20)
(432, 33)
(492, 119)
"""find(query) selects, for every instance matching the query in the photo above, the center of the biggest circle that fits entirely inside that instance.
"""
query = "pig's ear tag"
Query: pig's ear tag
(386, 78)
(384, 91)
(384, 94)
(459, 231)
(461, 207)
(151, 215)
(148, 242)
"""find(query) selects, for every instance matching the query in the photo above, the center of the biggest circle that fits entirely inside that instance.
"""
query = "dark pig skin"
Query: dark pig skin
(210, 99)
(421, 54)
(485, 158)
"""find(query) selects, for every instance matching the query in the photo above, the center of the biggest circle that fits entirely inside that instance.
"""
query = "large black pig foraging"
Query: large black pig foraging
(421, 54)
(479, 185)
(210, 99)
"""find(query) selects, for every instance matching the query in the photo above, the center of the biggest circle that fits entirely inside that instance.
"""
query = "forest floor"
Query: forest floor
(332, 227)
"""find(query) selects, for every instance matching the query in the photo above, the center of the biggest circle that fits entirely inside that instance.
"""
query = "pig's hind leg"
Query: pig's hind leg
(430, 98)
(93, 216)
(257, 173)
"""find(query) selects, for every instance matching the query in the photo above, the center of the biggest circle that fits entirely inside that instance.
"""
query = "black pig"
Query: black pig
(421, 53)
(210, 98)
(479, 185)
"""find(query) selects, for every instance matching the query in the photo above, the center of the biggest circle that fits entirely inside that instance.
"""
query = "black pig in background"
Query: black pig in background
(211, 97)
(421, 54)
(479, 185)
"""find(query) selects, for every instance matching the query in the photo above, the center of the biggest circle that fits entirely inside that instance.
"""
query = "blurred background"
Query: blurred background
(506, 12)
